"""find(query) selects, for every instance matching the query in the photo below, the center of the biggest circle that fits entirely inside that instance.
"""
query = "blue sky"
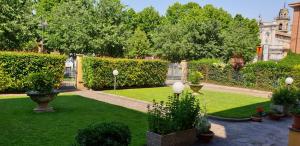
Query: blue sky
(268, 9)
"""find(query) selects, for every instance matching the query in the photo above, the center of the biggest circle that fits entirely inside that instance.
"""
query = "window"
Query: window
(280, 26)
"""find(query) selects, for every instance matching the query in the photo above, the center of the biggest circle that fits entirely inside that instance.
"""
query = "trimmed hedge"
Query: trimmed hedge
(16, 66)
(261, 75)
(97, 72)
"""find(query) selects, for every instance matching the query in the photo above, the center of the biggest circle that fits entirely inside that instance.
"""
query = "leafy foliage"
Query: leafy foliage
(16, 66)
(138, 45)
(284, 96)
(291, 59)
(195, 77)
(41, 82)
(202, 125)
(179, 113)
(97, 72)
(17, 28)
(106, 134)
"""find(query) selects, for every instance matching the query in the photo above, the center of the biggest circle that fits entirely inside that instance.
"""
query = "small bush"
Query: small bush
(41, 82)
(284, 96)
(97, 72)
(179, 113)
(296, 75)
(16, 66)
(195, 77)
(104, 134)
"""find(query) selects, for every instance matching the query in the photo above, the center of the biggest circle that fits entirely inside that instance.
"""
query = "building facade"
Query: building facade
(275, 36)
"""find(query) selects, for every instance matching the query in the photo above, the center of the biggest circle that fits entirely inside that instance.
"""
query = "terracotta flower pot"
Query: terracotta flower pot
(296, 124)
(196, 87)
(275, 117)
(206, 137)
(42, 99)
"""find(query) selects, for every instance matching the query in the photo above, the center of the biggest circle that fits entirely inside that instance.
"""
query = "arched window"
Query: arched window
(280, 26)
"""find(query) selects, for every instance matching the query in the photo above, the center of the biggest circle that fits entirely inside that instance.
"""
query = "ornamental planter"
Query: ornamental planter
(206, 137)
(42, 99)
(256, 118)
(180, 138)
(237, 62)
(196, 87)
(296, 124)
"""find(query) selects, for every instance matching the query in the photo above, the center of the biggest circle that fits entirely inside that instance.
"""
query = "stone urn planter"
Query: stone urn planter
(42, 99)
(237, 62)
(196, 87)
(180, 138)
(275, 116)
(206, 137)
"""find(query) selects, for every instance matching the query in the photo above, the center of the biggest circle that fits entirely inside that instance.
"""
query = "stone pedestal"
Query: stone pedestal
(184, 67)
(294, 137)
(295, 38)
(79, 74)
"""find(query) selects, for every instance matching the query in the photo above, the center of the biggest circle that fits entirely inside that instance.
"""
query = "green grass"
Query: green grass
(19, 125)
(221, 104)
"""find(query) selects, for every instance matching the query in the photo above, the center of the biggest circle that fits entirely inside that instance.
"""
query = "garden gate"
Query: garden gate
(69, 74)
(174, 71)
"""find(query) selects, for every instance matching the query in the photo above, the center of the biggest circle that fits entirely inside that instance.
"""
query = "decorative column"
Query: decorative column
(79, 72)
(295, 38)
(184, 68)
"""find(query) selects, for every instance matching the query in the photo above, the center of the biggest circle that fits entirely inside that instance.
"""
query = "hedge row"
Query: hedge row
(16, 66)
(97, 72)
(261, 75)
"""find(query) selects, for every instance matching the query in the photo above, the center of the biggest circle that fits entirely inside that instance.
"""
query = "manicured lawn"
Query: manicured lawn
(19, 125)
(222, 104)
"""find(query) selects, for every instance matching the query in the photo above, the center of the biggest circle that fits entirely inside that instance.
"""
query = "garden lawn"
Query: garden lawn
(222, 104)
(19, 125)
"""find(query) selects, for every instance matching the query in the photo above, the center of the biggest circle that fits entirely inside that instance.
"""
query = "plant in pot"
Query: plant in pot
(203, 126)
(275, 114)
(296, 114)
(283, 98)
(173, 123)
(257, 117)
(195, 78)
(41, 90)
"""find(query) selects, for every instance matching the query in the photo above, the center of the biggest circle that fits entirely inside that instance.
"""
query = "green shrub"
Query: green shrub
(195, 77)
(179, 113)
(97, 72)
(296, 75)
(16, 66)
(202, 125)
(104, 134)
(265, 75)
(41, 82)
(291, 59)
(284, 96)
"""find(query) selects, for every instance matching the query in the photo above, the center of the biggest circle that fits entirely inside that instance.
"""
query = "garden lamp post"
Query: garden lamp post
(289, 81)
(178, 88)
(115, 73)
(43, 25)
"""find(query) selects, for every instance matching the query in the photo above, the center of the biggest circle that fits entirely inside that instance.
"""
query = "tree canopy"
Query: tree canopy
(109, 28)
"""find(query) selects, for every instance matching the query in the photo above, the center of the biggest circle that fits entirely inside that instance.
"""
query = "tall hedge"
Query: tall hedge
(261, 75)
(97, 72)
(16, 66)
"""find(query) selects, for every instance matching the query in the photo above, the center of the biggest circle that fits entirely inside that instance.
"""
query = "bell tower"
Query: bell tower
(283, 20)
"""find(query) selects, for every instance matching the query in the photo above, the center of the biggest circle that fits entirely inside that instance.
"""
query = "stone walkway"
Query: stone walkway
(267, 133)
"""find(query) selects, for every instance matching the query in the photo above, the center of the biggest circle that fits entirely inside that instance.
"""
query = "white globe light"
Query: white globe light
(115, 72)
(289, 81)
(178, 87)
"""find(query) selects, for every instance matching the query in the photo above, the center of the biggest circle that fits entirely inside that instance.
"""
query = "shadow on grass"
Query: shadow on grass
(243, 111)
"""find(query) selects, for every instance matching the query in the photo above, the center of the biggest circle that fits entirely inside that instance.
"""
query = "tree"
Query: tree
(148, 19)
(241, 38)
(138, 45)
(17, 30)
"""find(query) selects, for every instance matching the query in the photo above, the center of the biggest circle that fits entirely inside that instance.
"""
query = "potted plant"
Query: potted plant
(203, 126)
(259, 114)
(283, 98)
(296, 114)
(41, 90)
(275, 114)
(195, 78)
(173, 123)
